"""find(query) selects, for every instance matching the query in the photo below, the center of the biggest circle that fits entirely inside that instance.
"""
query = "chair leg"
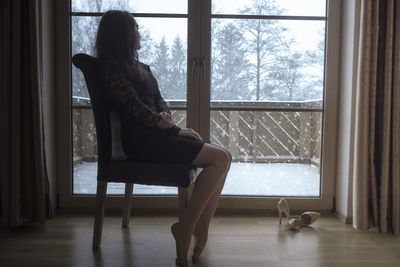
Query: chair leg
(183, 198)
(99, 215)
(127, 205)
(190, 190)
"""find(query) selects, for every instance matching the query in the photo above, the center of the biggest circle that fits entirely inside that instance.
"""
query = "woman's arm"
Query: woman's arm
(161, 105)
(123, 93)
(163, 108)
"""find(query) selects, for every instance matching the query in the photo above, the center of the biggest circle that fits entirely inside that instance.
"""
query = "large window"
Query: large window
(250, 75)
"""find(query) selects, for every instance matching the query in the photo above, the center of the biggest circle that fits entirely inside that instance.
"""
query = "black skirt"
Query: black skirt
(145, 144)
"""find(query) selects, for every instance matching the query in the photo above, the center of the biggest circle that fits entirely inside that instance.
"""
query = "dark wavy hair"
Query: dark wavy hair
(116, 41)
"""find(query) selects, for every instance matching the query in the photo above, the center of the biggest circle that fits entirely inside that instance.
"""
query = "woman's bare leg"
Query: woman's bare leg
(215, 163)
(201, 231)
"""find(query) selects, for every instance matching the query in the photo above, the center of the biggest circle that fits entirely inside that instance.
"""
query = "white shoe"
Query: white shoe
(305, 219)
(294, 223)
(309, 217)
(283, 207)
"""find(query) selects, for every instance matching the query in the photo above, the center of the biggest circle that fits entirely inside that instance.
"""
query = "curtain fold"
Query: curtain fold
(24, 182)
(376, 181)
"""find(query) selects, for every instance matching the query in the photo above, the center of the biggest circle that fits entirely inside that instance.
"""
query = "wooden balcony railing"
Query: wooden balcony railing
(253, 131)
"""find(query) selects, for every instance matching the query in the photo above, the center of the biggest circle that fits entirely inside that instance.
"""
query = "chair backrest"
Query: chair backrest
(95, 82)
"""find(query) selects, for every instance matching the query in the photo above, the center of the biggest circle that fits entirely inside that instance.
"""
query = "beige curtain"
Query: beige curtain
(24, 185)
(376, 188)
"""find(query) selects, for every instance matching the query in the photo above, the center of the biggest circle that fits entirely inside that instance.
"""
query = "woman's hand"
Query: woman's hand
(167, 116)
(189, 133)
(166, 121)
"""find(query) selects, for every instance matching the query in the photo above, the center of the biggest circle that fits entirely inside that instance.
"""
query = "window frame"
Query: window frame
(198, 31)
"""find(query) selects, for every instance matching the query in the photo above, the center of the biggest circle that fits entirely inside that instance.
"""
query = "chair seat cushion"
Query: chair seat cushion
(177, 175)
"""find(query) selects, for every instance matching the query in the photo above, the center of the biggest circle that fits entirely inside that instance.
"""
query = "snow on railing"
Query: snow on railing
(177, 103)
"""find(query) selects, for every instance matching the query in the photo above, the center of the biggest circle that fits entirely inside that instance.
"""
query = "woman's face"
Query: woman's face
(137, 37)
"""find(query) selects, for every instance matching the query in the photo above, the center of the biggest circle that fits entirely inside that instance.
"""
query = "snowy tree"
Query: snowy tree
(147, 46)
(215, 25)
(315, 77)
(285, 77)
(265, 40)
(160, 68)
(83, 37)
(177, 69)
(230, 78)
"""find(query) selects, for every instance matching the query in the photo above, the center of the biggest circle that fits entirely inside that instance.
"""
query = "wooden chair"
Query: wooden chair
(112, 163)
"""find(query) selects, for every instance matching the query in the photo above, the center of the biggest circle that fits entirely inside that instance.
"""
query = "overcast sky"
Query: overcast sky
(293, 7)
(306, 33)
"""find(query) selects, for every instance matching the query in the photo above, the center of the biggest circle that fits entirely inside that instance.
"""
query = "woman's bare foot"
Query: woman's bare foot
(182, 246)
(201, 236)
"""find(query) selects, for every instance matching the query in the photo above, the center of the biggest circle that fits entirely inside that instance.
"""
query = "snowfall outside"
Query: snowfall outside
(254, 62)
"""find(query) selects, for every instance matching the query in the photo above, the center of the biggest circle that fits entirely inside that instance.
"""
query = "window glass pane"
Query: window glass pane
(270, 7)
(270, 60)
(134, 6)
(258, 63)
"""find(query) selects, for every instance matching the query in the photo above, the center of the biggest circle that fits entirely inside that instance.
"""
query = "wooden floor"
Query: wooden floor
(233, 241)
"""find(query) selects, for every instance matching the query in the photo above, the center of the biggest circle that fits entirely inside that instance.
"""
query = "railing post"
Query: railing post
(254, 125)
(234, 133)
(316, 138)
(305, 135)
(88, 149)
(77, 135)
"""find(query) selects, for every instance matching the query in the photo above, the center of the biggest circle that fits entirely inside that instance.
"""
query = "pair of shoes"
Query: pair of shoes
(294, 222)
(305, 219)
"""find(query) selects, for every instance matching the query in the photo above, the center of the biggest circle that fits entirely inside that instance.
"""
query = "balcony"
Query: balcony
(276, 147)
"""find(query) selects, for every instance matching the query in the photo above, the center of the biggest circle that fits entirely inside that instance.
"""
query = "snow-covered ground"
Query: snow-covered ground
(248, 179)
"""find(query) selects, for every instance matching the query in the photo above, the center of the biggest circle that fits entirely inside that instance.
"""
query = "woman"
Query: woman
(148, 132)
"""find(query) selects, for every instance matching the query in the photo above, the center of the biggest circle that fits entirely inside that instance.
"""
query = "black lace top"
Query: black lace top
(136, 99)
